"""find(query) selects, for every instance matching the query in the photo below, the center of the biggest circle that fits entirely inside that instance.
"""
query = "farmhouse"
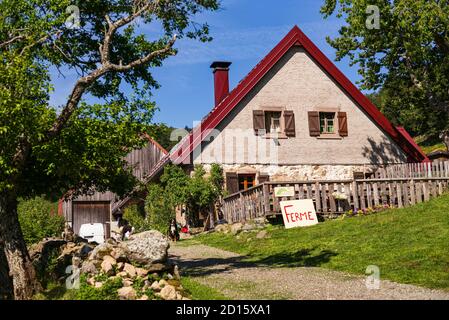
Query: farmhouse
(295, 116)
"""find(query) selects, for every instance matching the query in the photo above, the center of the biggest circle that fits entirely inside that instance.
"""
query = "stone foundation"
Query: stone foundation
(281, 173)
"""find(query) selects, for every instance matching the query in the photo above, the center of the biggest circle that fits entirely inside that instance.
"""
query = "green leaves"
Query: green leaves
(408, 57)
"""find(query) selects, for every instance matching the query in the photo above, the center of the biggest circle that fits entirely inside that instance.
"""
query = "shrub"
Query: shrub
(159, 208)
(38, 219)
(107, 292)
(136, 218)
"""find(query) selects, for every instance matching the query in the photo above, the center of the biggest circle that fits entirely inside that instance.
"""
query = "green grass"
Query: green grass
(409, 245)
(199, 291)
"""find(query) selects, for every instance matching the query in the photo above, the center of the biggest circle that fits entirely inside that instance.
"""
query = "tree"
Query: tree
(406, 56)
(77, 146)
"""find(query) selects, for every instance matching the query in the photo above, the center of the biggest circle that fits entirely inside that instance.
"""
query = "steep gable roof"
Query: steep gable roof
(181, 153)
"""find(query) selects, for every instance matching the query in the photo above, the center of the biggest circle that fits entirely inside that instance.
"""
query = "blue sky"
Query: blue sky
(244, 31)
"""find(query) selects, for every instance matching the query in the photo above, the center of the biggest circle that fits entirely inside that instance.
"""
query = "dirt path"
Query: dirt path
(226, 272)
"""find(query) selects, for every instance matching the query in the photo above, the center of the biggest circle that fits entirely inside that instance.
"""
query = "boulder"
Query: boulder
(127, 293)
(168, 293)
(119, 254)
(146, 248)
(130, 270)
(89, 267)
(155, 286)
(141, 272)
(236, 228)
(249, 227)
(110, 259)
(127, 283)
(100, 251)
(144, 297)
(107, 268)
(162, 283)
(122, 274)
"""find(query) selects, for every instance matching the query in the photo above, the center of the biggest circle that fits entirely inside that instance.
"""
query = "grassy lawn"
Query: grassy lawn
(200, 291)
(409, 245)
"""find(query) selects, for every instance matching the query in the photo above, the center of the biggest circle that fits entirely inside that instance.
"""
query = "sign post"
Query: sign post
(298, 213)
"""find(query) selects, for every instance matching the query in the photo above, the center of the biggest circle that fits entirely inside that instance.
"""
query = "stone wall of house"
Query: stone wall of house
(299, 172)
(297, 83)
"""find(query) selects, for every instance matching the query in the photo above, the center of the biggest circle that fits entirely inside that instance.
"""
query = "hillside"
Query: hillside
(408, 245)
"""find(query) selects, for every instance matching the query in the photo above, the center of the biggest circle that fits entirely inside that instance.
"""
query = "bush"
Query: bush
(136, 218)
(107, 292)
(159, 208)
(38, 219)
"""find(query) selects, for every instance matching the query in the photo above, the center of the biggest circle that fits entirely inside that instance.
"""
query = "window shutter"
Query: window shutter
(342, 124)
(314, 123)
(232, 182)
(259, 121)
(289, 121)
(263, 178)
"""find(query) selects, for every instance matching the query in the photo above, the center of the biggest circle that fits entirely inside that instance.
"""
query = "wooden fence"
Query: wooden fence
(333, 198)
(413, 170)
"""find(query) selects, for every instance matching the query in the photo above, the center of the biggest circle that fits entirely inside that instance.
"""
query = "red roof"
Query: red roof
(295, 37)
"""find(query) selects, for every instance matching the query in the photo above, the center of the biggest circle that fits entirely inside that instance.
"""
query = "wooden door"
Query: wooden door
(91, 212)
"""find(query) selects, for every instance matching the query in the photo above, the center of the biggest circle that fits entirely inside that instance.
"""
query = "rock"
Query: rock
(110, 259)
(236, 228)
(185, 298)
(158, 268)
(127, 283)
(91, 281)
(85, 250)
(107, 268)
(178, 296)
(89, 267)
(162, 283)
(130, 270)
(144, 297)
(260, 221)
(119, 254)
(127, 293)
(168, 293)
(141, 272)
(262, 234)
(223, 228)
(176, 273)
(155, 286)
(249, 227)
(122, 274)
(120, 266)
(146, 248)
(100, 251)
(98, 285)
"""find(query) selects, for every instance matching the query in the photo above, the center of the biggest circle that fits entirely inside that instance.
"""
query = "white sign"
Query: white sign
(280, 192)
(298, 213)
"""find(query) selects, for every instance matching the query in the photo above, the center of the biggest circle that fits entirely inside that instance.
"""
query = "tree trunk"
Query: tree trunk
(6, 288)
(20, 267)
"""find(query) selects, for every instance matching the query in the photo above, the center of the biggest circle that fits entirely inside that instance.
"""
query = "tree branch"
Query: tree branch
(84, 82)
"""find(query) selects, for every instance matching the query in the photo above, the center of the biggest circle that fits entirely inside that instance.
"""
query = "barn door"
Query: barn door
(91, 212)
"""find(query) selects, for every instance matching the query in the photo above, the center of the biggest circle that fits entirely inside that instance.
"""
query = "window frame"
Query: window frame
(335, 134)
(275, 135)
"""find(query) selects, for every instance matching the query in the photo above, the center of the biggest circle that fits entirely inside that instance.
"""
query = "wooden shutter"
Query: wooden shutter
(289, 121)
(259, 121)
(342, 124)
(314, 123)
(263, 178)
(232, 182)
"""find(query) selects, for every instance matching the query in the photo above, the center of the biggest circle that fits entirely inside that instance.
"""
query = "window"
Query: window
(246, 181)
(273, 121)
(327, 122)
